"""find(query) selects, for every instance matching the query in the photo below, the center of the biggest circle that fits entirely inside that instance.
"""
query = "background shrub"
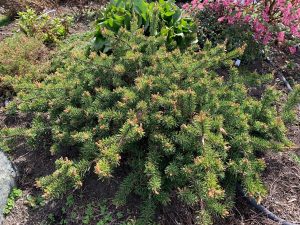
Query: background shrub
(236, 35)
(161, 18)
(167, 118)
(271, 22)
(21, 57)
(50, 30)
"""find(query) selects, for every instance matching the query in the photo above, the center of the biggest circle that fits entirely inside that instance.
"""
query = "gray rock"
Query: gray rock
(7, 181)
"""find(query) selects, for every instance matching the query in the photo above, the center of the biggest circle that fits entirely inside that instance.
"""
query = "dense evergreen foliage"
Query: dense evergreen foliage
(167, 118)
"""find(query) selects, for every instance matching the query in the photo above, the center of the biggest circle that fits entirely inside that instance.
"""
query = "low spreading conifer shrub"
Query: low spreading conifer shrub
(166, 118)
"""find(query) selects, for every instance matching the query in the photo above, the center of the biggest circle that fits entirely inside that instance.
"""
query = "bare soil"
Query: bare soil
(287, 63)
(8, 30)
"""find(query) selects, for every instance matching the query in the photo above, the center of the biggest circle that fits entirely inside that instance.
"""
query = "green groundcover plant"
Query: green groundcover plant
(168, 119)
(11, 201)
(48, 29)
(162, 18)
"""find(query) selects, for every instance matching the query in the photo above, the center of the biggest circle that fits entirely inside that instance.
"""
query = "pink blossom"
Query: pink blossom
(258, 26)
(292, 49)
(267, 38)
(186, 6)
(280, 36)
(194, 3)
(295, 31)
(265, 16)
(200, 6)
(238, 15)
(221, 19)
(263, 19)
(287, 14)
(248, 2)
(230, 20)
(247, 19)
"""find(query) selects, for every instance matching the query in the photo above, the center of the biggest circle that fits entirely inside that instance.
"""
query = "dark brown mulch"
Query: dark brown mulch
(8, 30)
(294, 131)
(287, 63)
(282, 178)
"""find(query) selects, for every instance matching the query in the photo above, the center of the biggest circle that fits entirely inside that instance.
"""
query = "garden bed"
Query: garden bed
(93, 203)
(282, 178)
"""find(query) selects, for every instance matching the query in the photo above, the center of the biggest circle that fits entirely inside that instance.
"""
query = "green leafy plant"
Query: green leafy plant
(106, 216)
(4, 20)
(14, 195)
(35, 201)
(168, 118)
(295, 158)
(89, 212)
(107, 219)
(68, 176)
(51, 30)
(51, 218)
(73, 215)
(70, 201)
(289, 112)
(162, 18)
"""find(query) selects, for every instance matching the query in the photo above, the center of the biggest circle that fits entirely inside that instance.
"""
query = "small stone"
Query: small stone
(7, 181)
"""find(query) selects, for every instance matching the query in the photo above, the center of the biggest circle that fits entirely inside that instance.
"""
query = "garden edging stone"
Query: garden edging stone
(7, 181)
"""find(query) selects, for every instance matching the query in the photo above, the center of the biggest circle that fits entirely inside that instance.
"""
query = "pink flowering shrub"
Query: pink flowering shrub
(271, 21)
(213, 26)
